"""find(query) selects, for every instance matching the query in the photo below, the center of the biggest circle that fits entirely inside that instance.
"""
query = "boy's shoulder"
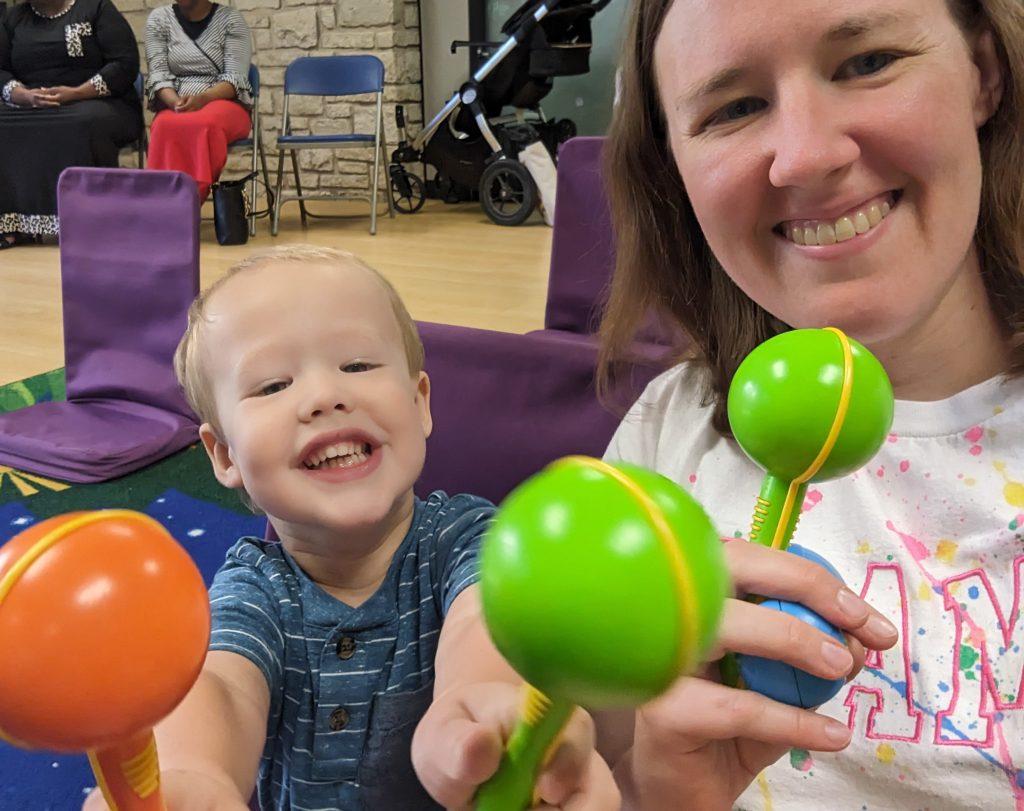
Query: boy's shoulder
(439, 515)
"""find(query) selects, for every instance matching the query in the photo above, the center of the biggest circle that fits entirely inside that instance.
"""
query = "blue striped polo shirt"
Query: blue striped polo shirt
(347, 685)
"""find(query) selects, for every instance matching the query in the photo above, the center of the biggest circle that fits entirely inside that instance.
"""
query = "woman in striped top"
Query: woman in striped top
(199, 54)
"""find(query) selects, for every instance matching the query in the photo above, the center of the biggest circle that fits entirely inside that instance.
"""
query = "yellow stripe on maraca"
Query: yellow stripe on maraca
(682, 576)
(830, 441)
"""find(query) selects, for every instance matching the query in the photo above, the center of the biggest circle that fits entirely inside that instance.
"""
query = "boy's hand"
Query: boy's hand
(460, 742)
(186, 791)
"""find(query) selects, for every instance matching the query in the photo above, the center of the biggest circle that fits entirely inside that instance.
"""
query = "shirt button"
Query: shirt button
(346, 647)
(339, 719)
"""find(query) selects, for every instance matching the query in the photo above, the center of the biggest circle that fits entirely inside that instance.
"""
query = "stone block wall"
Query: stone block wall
(286, 29)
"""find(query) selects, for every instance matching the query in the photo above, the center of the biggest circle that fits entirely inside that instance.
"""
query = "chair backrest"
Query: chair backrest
(334, 75)
(254, 81)
(140, 86)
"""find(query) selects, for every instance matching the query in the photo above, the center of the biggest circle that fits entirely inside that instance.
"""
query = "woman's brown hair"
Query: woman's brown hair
(664, 264)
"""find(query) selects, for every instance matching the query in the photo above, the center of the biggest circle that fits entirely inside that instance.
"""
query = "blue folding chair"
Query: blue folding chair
(255, 143)
(142, 145)
(331, 76)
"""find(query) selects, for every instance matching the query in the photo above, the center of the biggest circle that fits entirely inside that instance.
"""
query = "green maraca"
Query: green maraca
(581, 559)
(807, 406)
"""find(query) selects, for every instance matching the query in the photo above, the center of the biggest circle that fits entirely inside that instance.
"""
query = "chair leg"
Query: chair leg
(275, 218)
(386, 187)
(373, 194)
(298, 188)
(252, 195)
(266, 177)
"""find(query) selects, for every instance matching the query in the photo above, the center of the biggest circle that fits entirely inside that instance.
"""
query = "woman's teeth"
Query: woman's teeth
(846, 227)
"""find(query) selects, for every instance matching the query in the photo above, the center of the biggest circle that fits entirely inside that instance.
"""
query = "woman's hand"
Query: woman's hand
(66, 95)
(707, 742)
(35, 97)
(190, 104)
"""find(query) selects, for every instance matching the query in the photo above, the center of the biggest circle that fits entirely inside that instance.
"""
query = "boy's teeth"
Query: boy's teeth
(846, 227)
(341, 454)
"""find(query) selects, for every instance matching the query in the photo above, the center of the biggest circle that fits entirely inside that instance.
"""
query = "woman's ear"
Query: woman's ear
(224, 468)
(991, 81)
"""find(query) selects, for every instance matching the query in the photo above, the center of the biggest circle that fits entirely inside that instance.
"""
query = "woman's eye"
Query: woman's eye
(866, 64)
(734, 111)
(357, 366)
(273, 388)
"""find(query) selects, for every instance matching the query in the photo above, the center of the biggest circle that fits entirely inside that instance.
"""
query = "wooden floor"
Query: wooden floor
(449, 263)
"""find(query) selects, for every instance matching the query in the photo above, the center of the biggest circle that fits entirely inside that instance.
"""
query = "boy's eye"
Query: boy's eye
(273, 388)
(866, 64)
(357, 366)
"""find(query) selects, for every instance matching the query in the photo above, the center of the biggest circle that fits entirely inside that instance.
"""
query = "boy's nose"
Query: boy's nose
(322, 399)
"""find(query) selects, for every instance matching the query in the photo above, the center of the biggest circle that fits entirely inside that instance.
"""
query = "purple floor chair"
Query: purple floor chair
(583, 249)
(506, 405)
(129, 255)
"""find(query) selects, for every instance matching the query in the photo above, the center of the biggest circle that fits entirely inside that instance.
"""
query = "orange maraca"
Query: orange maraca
(104, 625)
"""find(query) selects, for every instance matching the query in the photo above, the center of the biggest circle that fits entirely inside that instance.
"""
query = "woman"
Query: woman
(199, 54)
(67, 73)
(860, 164)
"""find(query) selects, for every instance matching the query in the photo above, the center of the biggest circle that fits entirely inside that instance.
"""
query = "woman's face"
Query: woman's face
(830, 153)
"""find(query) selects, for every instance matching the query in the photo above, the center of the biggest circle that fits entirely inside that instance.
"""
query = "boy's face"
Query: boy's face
(321, 422)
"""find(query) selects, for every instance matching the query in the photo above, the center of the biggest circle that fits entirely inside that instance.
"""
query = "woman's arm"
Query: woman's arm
(120, 54)
(160, 83)
(237, 57)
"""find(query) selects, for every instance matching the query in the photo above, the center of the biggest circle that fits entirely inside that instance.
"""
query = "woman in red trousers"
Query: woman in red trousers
(199, 54)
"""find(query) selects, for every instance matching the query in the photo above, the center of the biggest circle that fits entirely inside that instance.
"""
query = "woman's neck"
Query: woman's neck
(196, 10)
(962, 343)
(49, 6)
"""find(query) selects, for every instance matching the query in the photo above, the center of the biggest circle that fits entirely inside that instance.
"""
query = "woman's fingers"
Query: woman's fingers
(766, 572)
(758, 631)
(695, 711)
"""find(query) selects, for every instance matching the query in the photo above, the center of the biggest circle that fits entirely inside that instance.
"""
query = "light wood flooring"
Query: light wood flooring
(449, 263)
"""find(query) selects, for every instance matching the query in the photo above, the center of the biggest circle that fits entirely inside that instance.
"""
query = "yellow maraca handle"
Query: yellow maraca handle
(128, 774)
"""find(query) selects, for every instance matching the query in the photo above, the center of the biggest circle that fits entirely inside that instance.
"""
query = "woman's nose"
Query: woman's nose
(810, 140)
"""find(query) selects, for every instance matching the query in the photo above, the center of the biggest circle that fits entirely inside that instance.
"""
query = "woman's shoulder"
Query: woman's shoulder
(161, 14)
(230, 14)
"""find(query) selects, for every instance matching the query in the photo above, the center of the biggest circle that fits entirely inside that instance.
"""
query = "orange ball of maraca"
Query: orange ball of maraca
(104, 625)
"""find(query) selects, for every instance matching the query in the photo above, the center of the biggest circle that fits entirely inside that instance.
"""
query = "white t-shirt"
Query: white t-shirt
(930, 532)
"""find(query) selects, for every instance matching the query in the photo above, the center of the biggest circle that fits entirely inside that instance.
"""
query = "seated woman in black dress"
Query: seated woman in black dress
(67, 74)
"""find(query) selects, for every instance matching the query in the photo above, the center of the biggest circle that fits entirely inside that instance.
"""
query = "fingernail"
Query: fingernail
(837, 656)
(851, 605)
(836, 732)
(881, 626)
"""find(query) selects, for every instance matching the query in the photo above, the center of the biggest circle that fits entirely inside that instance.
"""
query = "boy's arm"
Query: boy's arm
(465, 653)
(219, 730)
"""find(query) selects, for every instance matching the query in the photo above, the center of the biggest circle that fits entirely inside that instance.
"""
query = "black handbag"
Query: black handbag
(231, 211)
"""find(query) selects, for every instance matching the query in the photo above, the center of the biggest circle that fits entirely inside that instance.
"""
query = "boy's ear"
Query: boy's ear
(423, 401)
(224, 467)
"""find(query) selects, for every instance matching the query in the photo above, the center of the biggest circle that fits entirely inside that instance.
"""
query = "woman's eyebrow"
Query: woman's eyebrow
(850, 28)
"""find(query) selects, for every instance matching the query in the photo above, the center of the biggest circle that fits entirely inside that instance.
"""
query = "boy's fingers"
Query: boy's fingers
(596, 792)
(451, 770)
(565, 771)
(95, 801)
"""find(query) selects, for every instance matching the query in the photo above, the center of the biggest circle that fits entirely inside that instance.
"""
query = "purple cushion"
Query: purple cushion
(129, 254)
(506, 405)
(583, 247)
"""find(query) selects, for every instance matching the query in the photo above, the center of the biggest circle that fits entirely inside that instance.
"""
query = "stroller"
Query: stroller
(471, 145)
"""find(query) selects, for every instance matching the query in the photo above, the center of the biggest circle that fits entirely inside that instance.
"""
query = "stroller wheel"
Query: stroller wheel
(407, 193)
(507, 192)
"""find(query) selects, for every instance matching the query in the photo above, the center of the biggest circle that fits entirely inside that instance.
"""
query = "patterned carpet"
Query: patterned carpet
(179, 491)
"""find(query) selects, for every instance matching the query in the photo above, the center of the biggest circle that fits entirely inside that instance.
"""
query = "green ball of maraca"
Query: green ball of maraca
(602, 583)
(785, 396)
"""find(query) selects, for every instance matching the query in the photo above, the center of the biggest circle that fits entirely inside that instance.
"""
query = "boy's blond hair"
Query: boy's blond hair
(188, 365)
